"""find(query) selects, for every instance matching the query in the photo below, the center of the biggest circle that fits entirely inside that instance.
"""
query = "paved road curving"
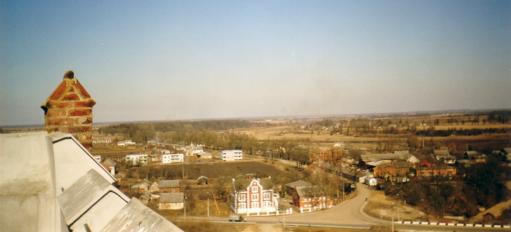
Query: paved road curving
(348, 212)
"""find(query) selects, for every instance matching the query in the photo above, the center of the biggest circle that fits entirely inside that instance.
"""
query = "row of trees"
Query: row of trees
(481, 185)
(215, 135)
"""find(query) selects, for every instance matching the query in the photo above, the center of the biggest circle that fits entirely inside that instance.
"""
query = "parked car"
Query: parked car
(235, 218)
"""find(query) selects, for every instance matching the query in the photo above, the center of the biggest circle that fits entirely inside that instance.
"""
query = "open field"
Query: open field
(219, 169)
(289, 133)
(383, 207)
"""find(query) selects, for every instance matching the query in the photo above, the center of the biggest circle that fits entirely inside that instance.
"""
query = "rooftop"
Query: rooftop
(136, 217)
(169, 183)
(172, 197)
(298, 183)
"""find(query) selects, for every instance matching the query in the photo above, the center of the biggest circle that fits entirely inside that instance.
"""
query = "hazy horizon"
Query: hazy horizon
(170, 60)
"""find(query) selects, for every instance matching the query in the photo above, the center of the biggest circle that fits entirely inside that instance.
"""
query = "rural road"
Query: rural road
(348, 212)
(345, 215)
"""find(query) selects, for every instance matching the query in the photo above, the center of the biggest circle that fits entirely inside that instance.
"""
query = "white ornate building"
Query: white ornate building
(255, 199)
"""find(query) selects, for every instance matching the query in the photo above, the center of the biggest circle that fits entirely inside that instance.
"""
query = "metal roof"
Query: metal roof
(298, 183)
(172, 197)
(85, 192)
(136, 217)
(168, 184)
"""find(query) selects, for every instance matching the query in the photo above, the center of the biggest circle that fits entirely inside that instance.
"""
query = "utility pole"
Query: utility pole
(183, 169)
(393, 218)
(208, 205)
(184, 206)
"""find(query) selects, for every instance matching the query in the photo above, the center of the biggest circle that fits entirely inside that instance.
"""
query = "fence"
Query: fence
(452, 224)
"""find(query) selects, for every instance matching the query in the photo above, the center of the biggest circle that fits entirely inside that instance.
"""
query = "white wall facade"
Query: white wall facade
(256, 200)
(135, 159)
(172, 158)
(229, 155)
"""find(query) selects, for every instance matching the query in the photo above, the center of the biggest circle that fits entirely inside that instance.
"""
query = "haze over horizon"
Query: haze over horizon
(168, 60)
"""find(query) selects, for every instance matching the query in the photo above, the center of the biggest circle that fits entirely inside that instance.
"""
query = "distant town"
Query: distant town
(377, 172)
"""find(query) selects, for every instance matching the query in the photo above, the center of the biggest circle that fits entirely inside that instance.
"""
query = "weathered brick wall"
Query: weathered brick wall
(69, 109)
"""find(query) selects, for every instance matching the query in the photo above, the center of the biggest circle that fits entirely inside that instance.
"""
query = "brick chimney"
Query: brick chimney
(69, 109)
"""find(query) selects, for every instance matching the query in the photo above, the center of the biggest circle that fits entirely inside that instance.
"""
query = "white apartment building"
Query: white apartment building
(135, 159)
(229, 155)
(126, 143)
(172, 158)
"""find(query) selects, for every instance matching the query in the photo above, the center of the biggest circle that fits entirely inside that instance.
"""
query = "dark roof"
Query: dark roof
(309, 191)
(298, 183)
(386, 156)
(172, 197)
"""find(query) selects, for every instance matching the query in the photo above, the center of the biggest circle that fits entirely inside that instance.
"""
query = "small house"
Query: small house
(169, 186)
(171, 201)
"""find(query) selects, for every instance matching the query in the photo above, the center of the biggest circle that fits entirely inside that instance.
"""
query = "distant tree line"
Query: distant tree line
(470, 132)
(215, 135)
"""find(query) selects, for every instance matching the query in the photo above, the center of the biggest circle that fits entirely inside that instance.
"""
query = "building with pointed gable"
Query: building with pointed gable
(69, 109)
(257, 198)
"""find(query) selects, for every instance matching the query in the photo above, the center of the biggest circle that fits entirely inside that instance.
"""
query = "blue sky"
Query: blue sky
(165, 60)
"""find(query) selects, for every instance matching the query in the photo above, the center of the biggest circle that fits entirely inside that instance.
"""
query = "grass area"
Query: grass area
(222, 169)
(383, 207)
(289, 133)
(203, 226)
(217, 209)
(114, 150)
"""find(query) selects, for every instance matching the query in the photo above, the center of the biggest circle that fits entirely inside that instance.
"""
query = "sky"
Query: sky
(169, 60)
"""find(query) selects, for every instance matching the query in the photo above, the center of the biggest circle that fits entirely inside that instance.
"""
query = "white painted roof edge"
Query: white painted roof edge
(58, 136)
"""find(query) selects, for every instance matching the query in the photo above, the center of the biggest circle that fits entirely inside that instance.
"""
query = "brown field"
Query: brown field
(220, 169)
(289, 133)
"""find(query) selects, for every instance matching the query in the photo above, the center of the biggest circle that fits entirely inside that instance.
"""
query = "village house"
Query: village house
(205, 155)
(413, 160)
(475, 156)
(308, 197)
(397, 155)
(230, 155)
(202, 180)
(169, 186)
(172, 158)
(125, 143)
(171, 201)
(443, 155)
(255, 199)
(291, 187)
(154, 188)
(193, 149)
(507, 150)
(141, 187)
(368, 179)
(428, 169)
(101, 139)
(136, 159)
(396, 171)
